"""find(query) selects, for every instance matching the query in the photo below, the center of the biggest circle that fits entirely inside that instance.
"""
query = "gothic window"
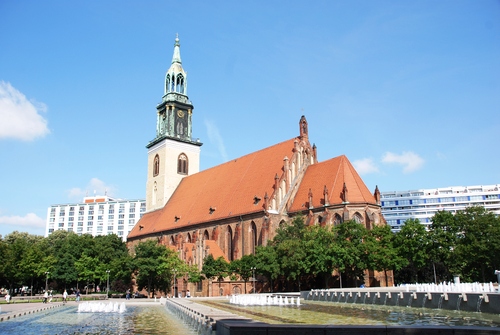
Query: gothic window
(337, 220)
(156, 166)
(206, 236)
(358, 218)
(229, 243)
(172, 242)
(182, 164)
(188, 238)
(253, 238)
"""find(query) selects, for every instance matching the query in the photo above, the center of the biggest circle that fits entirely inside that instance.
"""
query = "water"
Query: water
(144, 320)
(316, 312)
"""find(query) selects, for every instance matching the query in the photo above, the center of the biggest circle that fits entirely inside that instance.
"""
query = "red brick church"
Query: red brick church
(230, 209)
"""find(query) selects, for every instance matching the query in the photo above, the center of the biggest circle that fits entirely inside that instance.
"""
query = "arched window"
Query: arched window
(182, 164)
(337, 220)
(156, 166)
(357, 218)
(253, 237)
(188, 238)
(206, 236)
(229, 243)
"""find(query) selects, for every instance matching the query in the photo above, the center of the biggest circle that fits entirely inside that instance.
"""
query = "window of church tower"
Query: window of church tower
(182, 164)
(156, 166)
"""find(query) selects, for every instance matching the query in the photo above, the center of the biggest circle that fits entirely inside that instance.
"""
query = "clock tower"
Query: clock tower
(172, 154)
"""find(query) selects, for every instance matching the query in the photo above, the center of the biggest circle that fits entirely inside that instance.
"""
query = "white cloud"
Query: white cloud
(215, 137)
(410, 160)
(20, 118)
(365, 166)
(95, 185)
(30, 220)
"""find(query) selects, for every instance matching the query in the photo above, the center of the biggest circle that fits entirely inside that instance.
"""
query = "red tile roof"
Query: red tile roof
(226, 190)
(333, 173)
(215, 250)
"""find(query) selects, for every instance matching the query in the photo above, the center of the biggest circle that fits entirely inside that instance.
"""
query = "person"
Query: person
(7, 298)
(188, 294)
(50, 296)
(128, 295)
(65, 297)
(77, 295)
(45, 297)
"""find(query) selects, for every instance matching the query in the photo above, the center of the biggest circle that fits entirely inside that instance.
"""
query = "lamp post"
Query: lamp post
(253, 277)
(175, 292)
(107, 287)
(47, 281)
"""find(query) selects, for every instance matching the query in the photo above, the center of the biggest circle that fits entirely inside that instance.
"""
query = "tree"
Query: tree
(382, 253)
(215, 269)
(413, 245)
(244, 268)
(267, 264)
(322, 253)
(155, 266)
(352, 254)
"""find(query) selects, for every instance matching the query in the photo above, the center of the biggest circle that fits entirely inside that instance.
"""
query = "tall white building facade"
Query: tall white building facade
(99, 215)
(399, 206)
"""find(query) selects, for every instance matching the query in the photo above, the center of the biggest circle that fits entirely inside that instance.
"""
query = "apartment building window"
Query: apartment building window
(61, 224)
(71, 219)
(81, 212)
(432, 201)
(111, 210)
(70, 224)
(79, 229)
(52, 219)
(132, 210)
(99, 229)
(81, 218)
(51, 231)
(80, 224)
(90, 217)
(131, 222)
(120, 221)
(90, 223)
(476, 198)
(62, 213)
(53, 211)
(120, 233)
(99, 218)
(131, 216)
(110, 228)
(120, 227)
(111, 217)
(89, 229)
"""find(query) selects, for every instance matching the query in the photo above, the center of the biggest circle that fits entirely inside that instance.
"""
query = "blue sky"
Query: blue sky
(408, 90)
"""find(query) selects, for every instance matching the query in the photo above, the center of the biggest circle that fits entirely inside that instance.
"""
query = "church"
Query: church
(230, 209)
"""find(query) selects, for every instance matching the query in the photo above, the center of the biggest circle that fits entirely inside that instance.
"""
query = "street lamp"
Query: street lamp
(47, 281)
(107, 287)
(253, 275)
(175, 273)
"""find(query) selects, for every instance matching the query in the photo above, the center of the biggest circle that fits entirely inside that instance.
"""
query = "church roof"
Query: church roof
(332, 173)
(224, 191)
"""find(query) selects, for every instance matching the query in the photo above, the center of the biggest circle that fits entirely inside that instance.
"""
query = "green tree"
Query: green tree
(382, 252)
(243, 268)
(413, 244)
(215, 269)
(155, 266)
(352, 254)
(267, 264)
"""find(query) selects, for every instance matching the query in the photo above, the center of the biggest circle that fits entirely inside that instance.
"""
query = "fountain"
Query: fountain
(262, 300)
(96, 307)
(133, 318)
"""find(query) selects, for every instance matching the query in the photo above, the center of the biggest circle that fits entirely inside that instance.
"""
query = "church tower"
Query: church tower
(172, 154)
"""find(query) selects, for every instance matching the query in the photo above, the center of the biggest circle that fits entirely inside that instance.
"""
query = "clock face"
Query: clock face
(180, 113)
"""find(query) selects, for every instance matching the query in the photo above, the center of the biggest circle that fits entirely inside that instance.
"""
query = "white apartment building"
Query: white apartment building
(98, 215)
(399, 206)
